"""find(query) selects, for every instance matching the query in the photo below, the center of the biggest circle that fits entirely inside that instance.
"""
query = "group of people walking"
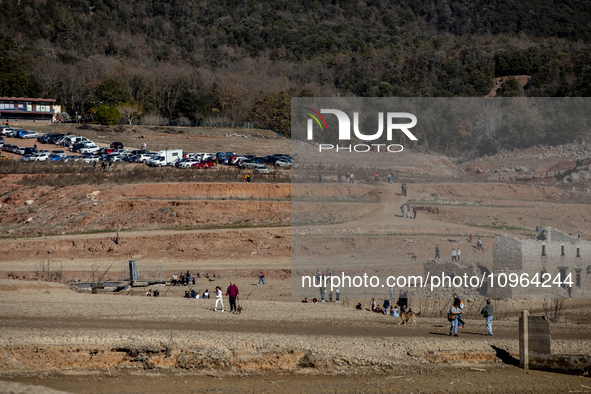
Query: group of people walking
(456, 254)
(232, 292)
(406, 211)
(455, 316)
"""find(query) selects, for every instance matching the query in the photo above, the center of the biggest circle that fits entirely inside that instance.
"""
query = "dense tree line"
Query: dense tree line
(229, 61)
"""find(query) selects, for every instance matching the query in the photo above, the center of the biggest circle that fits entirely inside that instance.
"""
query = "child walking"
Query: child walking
(218, 298)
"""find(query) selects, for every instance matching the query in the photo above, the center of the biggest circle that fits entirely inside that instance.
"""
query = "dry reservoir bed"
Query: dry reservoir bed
(82, 342)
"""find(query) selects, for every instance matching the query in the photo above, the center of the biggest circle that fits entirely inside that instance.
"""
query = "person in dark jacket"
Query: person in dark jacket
(488, 312)
(232, 293)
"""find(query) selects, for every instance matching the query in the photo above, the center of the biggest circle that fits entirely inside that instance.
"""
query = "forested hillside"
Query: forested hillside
(216, 61)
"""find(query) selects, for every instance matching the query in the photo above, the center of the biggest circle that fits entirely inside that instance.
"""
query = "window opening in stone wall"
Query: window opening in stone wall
(578, 252)
(562, 250)
(543, 250)
(562, 272)
(578, 278)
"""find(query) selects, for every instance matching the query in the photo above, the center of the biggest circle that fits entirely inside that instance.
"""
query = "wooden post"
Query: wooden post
(524, 340)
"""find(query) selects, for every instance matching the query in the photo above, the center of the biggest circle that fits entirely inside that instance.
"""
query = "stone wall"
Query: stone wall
(552, 253)
(507, 253)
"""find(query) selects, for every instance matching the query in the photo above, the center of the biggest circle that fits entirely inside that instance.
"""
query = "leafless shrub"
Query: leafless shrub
(553, 309)
(45, 272)
(154, 120)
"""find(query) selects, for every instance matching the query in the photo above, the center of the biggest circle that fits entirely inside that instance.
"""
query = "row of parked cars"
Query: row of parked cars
(18, 133)
(90, 152)
(34, 154)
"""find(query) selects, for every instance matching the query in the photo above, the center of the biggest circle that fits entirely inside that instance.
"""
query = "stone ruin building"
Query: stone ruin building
(550, 251)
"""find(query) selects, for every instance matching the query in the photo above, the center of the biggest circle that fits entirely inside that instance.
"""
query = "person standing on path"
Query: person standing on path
(479, 245)
(337, 291)
(458, 253)
(391, 294)
(461, 304)
(415, 210)
(218, 298)
(319, 178)
(437, 252)
(454, 312)
(488, 312)
(453, 255)
(339, 177)
(233, 293)
(261, 278)
(351, 177)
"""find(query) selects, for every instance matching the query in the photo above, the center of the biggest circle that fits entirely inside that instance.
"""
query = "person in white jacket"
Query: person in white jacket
(218, 298)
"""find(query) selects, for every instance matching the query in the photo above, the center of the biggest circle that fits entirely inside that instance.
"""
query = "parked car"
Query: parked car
(28, 157)
(79, 145)
(105, 151)
(186, 163)
(31, 151)
(40, 157)
(282, 156)
(7, 148)
(261, 169)
(283, 163)
(53, 137)
(60, 153)
(130, 158)
(46, 138)
(144, 157)
(113, 157)
(1, 142)
(20, 151)
(56, 157)
(89, 149)
(9, 132)
(116, 145)
(72, 158)
(222, 157)
(204, 164)
(90, 159)
(251, 163)
(3, 158)
(29, 134)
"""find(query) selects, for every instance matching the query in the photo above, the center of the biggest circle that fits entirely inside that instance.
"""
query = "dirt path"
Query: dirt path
(388, 328)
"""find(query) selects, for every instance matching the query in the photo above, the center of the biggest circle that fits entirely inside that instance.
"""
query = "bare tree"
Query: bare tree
(130, 111)
(490, 121)
(96, 285)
